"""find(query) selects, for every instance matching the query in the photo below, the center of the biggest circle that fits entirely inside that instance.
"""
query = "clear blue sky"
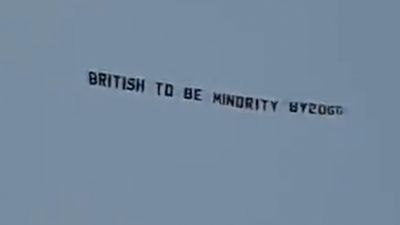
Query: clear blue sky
(71, 154)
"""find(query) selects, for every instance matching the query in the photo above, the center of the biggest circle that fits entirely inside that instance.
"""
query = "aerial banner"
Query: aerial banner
(140, 85)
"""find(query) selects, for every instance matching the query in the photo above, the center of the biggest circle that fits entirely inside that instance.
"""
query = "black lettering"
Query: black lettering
(331, 110)
(264, 102)
(239, 102)
(274, 105)
(312, 107)
(169, 90)
(123, 83)
(257, 104)
(109, 81)
(197, 94)
(159, 84)
(92, 78)
(131, 84)
(230, 100)
(339, 110)
(303, 106)
(192, 93)
(102, 79)
(187, 93)
(116, 81)
(140, 85)
(322, 109)
(293, 107)
(249, 103)
(217, 98)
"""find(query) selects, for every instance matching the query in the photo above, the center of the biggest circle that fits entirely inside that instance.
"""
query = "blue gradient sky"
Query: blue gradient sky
(71, 154)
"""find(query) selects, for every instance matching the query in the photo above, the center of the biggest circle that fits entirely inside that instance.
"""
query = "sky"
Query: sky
(71, 153)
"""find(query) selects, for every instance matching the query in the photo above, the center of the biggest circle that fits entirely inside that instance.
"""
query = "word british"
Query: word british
(116, 81)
